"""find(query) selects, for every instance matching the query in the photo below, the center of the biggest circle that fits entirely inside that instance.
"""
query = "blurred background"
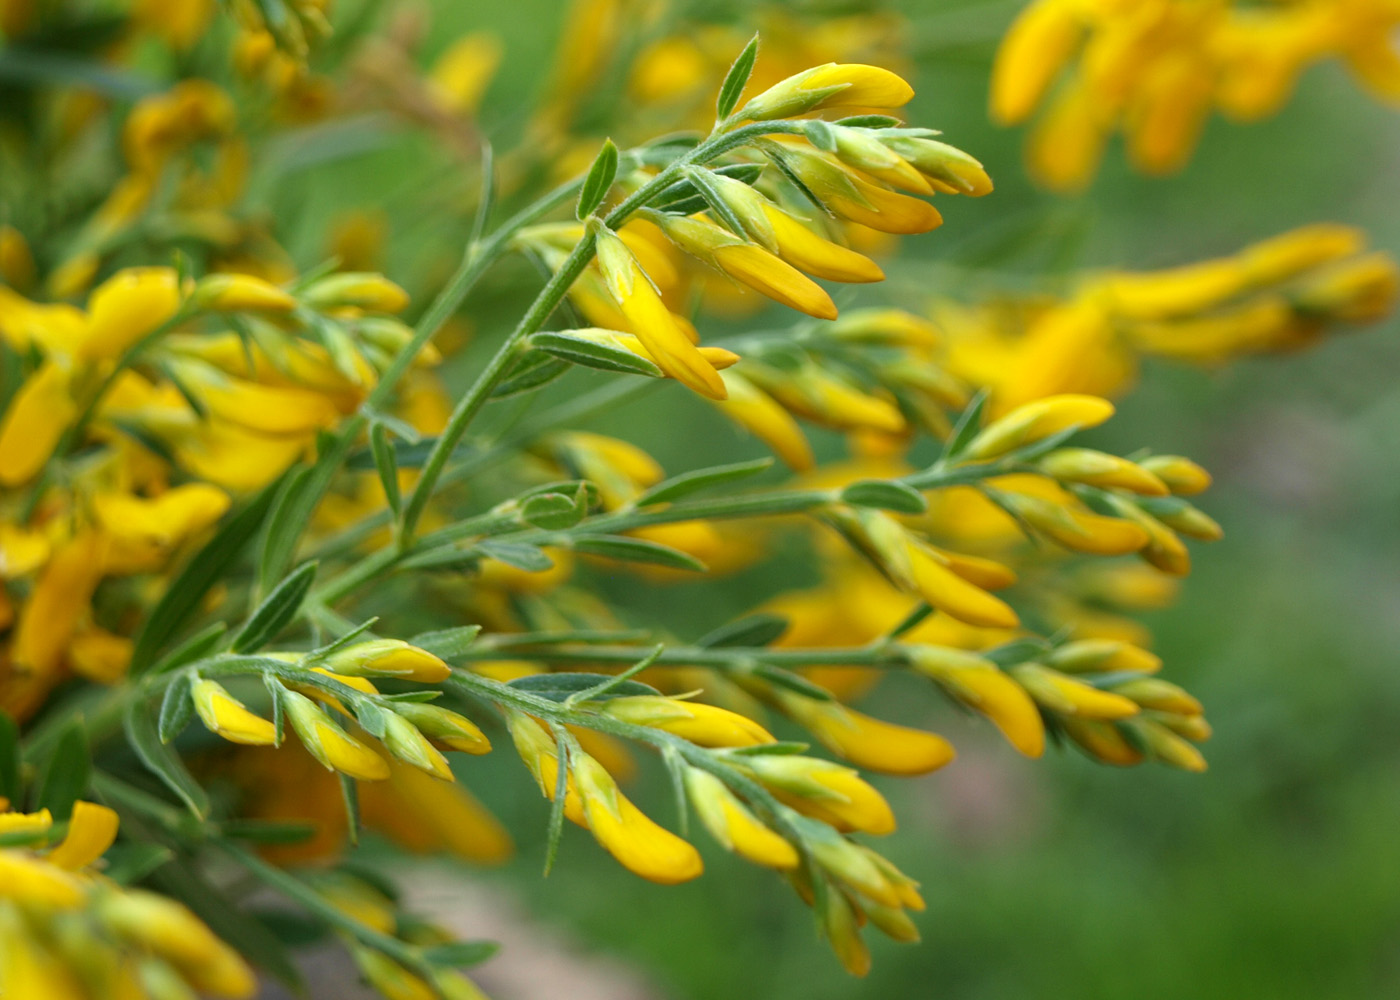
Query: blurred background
(1276, 874)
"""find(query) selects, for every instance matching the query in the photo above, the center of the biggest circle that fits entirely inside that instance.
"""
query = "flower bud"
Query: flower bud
(1068, 696)
(863, 149)
(731, 823)
(240, 293)
(362, 290)
(1097, 655)
(703, 725)
(1097, 468)
(1035, 421)
(329, 744)
(834, 85)
(627, 833)
(175, 934)
(852, 197)
(818, 788)
(1102, 740)
(1182, 476)
(984, 687)
(225, 715)
(867, 742)
(409, 745)
(949, 169)
(1163, 696)
(388, 657)
(444, 728)
(842, 929)
(1078, 528)
(1169, 748)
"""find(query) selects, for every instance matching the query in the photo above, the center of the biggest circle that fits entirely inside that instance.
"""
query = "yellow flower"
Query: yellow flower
(834, 85)
(390, 658)
(35, 822)
(462, 73)
(627, 833)
(444, 728)
(1034, 50)
(732, 824)
(648, 317)
(329, 744)
(1066, 144)
(852, 197)
(27, 879)
(178, 936)
(757, 412)
(749, 263)
(944, 588)
(371, 292)
(703, 725)
(1035, 421)
(1078, 528)
(409, 745)
(1069, 696)
(841, 926)
(818, 788)
(790, 239)
(984, 687)
(1095, 655)
(1181, 475)
(164, 520)
(57, 603)
(36, 418)
(240, 293)
(1159, 695)
(865, 741)
(1102, 740)
(225, 715)
(91, 830)
(126, 307)
(1097, 468)
(1168, 747)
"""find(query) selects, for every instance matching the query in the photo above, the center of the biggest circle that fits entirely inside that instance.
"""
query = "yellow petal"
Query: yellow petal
(91, 830)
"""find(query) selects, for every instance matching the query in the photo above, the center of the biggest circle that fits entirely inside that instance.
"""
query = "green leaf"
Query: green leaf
(67, 772)
(682, 198)
(715, 201)
(460, 954)
(637, 550)
(534, 369)
(209, 565)
(162, 761)
(753, 630)
(385, 465)
(967, 427)
(735, 80)
(869, 121)
(885, 494)
(371, 718)
(276, 612)
(278, 695)
(599, 180)
(560, 797)
(204, 641)
(701, 479)
(176, 707)
(447, 643)
(130, 861)
(517, 554)
(911, 620)
(592, 354)
(552, 511)
(779, 749)
(293, 509)
(559, 687)
(793, 682)
(9, 758)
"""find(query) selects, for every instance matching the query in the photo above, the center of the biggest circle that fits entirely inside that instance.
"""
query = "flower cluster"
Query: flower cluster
(264, 582)
(1155, 70)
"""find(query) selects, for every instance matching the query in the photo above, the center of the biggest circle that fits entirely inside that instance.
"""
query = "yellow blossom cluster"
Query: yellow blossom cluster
(1154, 70)
(264, 582)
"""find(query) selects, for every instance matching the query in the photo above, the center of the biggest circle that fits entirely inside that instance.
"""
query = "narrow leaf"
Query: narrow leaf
(67, 772)
(385, 465)
(176, 707)
(447, 643)
(276, 611)
(599, 180)
(592, 354)
(194, 648)
(461, 954)
(209, 565)
(517, 554)
(885, 495)
(791, 681)
(735, 80)
(162, 761)
(559, 687)
(967, 427)
(9, 758)
(754, 630)
(701, 479)
(636, 550)
(293, 510)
